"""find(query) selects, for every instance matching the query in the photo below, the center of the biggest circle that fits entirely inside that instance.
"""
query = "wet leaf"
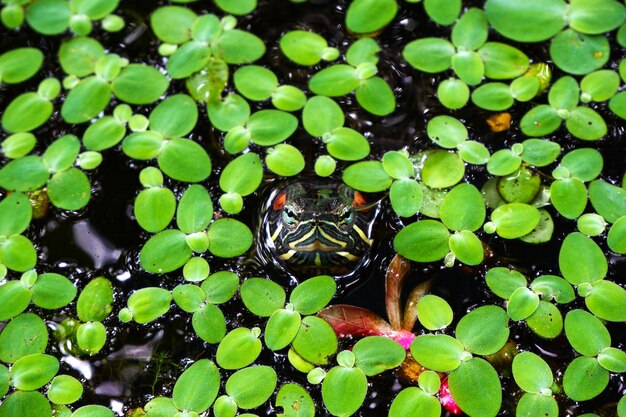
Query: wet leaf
(584, 379)
(64, 389)
(19, 64)
(24, 335)
(577, 53)
(165, 252)
(281, 328)
(334, 81)
(540, 121)
(483, 331)
(49, 17)
(406, 197)
(596, 17)
(608, 200)
(467, 247)
(476, 388)
(376, 96)
(184, 160)
(515, 220)
(523, 22)
(581, 259)
(321, 115)
(262, 297)
(228, 113)
(463, 208)
(423, 241)
(197, 386)
(285, 160)
(446, 131)
(442, 169)
(550, 287)
(139, 84)
(377, 354)
(25, 404)
(429, 54)
(16, 297)
(438, 352)
(52, 291)
(154, 208)
(315, 341)
(95, 302)
(470, 31)
(453, 93)
(70, 189)
(493, 96)
(522, 303)
(546, 321)
(366, 16)
(344, 390)
(368, 176)
(586, 124)
(304, 48)
(346, 144)
(252, 386)
(540, 152)
(569, 197)
(607, 301)
(26, 112)
(238, 349)
(349, 320)
(33, 371)
(414, 400)
(270, 127)
(209, 324)
(294, 401)
(531, 372)
(229, 238)
(503, 61)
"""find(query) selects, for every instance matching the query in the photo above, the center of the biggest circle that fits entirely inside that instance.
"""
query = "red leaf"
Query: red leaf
(349, 320)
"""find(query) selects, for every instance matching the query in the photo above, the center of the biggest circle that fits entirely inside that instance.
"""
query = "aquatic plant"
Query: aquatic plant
(191, 115)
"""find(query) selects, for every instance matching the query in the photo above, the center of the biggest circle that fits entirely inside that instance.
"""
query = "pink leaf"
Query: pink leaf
(349, 320)
(445, 398)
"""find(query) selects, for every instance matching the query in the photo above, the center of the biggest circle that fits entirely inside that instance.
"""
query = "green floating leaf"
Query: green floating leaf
(552, 287)
(521, 186)
(581, 259)
(313, 294)
(442, 12)
(540, 121)
(583, 163)
(344, 390)
(238, 349)
(15, 214)
(165, 252)
(515, 220)
(334, 81)
(189, 58)
(262, 297)
(209, 323)
(91, 337)
(584, 379)
(321, 115)
(195, 210)
(586, 333)
(95, 302)
(33, 371)
(229, 238)
(237, 7)
(346, 144)
(503, 162)
(475, 387)
(493, 96)
(69, 190)
(270, 127)
(315, 341)
(470, 31)
(467, 247)
(86, 100)
(442, 169)
(18, 253)
(469, 67)
(577, 53)
(608, 200)
(617, 104)
(20, 64)
(139, 84)
(453, 93)
(522, 303)
(52, 291)
(288, 98)
(429, 54)
(503, 282)
(285, 160)
(306, 48)
(423, 241)
(414, 400)
(438, 352)
(26, 112)
(406, 197)
(367, 16)
(62, 153)
(546, 321)
(252, 386)
(612, 359)
(433, 312)
(172, 24)
(483, 331)
(376, 354)
(255, 82)
(104, 133)
(367, 176)
(154, 208)
(502, 61)
(175, 116)
(586, 124)
(18, 145)
(294, 401)
(228, 113)
(616, 238)
(148, 304)
(188, 297)
(93, 411)
(281, 328)
(363, 50)
(64, 389)
(473, 152)
(49, 17)
(446, 131)
(78, 56)
(569, 197)
(522, 21)
(376, 96)
(242, 175)
(25, 404)
(596, 17)
(184, 160)
(607, 301)
(531, 372)
(25, 335)
(537, 404)
(599, 85)
(463, 208)
(540, 152)
(197, 387)
(238, 47)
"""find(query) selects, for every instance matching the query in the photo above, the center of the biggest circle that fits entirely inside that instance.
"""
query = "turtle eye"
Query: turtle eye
(346, 215)
(289, 216)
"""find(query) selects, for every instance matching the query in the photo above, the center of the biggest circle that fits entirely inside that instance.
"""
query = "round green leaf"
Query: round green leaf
(52, 291)
(220, 287)
(612, 359)
(429, 54)
(433, 312)
(105, 133)
(546, 321)
(25, 404)
(95, 302)
(367, 16)
(502, 61)
(540, 152)
(467, 247)
(154, 208)
(197, 387)
(64, 389)
(475, 387)
(15, 214)
(242, 175)
(229, 238)
(414, 400)
(521, 186)
(599, 85)
(175, 116)
(255, 82)
(552, 287)
(586, 124)
(596, 17)
(346, 144)
(26, 112)
(442, 12)
(165, 252)
(616, 238)
(586, 333)
(19, 64)
(269, 127)
(423, 241)
(514, 220)
(438, 352)
(531, 372)
(315, 340)
(581, 260)
(522, 21)
(484, 330)
(252, 386)
(93, 411)
(617, 104)
(406, 197)
(376, 96)
(540, 121)
(608, 200)
(78, 56)
(188, 297)
(471, 30)
(172, 24)
(285, 160)
(577, 53)
(313, 294)
(453, 93)
(344, 390)
(238, 47)
(262, 297)
(25, 335)
(377, 354)
(195, 210)
(442, 169)
(473, 152)
(321, 115)
(607, 301)
(139, 84)
(503, 282)
(209, 324)
(302, 47)
(91, 337)
(503, 162)
(537, 404)
(189, 58)
(228, 113)
(295, 401)
(33, 371)
(288, 98)
(184, 160)
(18, 253)
(49, 17)
(446, 131)
(334, 81)
(522, 303)
(367, 176)
(463, 208)
(86, 100)
(493, 96)
(238, 349)
(69, 190)
(584, 379)
(569, 197)
(237, 7)
(281, 328)
(468, 66)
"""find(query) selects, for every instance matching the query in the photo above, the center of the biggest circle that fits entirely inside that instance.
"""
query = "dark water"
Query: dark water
(140, 361)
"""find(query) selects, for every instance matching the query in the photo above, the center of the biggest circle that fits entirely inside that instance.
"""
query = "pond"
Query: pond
(298, 208)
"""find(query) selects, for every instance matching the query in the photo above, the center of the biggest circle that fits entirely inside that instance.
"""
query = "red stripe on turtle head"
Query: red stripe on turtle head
(359, 200)
(279, 201)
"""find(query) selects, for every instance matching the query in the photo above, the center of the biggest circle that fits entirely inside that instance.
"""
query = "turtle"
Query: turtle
(316, 226)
